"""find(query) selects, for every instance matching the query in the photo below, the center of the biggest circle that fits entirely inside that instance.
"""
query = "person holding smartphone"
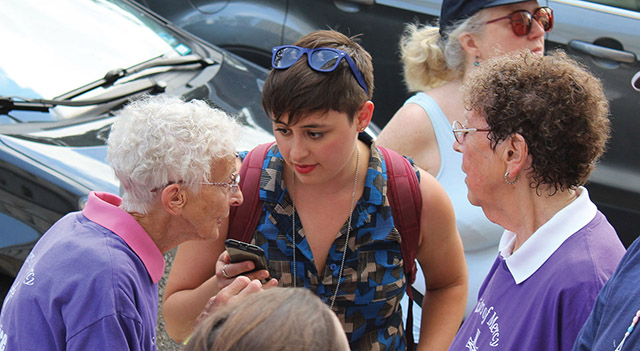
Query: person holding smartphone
(326, 223)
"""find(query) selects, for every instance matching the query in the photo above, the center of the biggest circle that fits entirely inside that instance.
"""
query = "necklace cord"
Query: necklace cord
(634, 321)
(346, 243)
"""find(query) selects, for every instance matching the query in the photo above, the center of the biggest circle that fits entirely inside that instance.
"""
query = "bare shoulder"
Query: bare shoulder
(408, 131)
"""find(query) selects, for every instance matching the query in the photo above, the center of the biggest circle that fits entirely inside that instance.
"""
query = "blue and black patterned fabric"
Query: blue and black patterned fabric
(373, 281)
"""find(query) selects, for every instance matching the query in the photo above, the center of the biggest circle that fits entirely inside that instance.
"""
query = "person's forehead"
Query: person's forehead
(223, 166)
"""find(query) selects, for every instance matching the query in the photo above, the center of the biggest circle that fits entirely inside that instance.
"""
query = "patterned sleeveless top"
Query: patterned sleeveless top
(373, 281)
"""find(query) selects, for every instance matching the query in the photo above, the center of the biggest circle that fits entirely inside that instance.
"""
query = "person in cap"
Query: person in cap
(535, 128)
(437, 61)
(91, 281)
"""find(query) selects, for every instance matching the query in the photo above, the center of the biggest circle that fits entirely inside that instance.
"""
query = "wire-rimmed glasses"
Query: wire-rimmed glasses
(232, 185)
(460, 131)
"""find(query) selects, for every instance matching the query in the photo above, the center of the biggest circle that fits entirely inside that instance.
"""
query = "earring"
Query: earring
(506, 179)
(476, 63)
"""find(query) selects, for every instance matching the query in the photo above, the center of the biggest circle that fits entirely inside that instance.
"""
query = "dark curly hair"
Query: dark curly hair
(557, 106)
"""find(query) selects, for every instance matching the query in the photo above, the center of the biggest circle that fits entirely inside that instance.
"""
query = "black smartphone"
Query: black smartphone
(240, 251)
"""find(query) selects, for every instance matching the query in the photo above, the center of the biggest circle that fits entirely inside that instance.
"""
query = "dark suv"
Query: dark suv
(602, 34)
(66, 67)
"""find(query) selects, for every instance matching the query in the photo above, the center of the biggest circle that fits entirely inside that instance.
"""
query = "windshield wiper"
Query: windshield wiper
(116, 74)
(15, 103)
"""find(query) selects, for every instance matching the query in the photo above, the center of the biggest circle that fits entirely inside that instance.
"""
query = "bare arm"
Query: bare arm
(196, 276)
(441, 257)
(190, 284)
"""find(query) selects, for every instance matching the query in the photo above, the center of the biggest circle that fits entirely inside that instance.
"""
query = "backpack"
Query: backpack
(403, 191)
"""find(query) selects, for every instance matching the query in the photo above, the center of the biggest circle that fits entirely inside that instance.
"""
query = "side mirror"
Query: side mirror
(635, 81)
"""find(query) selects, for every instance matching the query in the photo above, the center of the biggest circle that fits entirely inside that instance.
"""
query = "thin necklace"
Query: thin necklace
(634, 321)
(346, 242)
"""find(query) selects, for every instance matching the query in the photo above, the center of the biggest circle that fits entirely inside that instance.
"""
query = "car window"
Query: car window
(633, 5)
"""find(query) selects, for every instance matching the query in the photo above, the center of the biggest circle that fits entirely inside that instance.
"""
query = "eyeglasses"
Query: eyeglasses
(320, 59)
(232, 185)
(460, 131)
(522, 20)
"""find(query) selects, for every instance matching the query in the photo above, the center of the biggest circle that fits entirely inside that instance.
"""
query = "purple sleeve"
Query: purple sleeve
(114, 332)
(576, 305)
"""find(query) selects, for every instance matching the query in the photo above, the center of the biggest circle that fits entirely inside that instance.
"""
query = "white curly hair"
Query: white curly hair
(161, 139)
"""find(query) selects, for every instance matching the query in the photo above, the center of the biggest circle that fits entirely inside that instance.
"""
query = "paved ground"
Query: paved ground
(164, 341)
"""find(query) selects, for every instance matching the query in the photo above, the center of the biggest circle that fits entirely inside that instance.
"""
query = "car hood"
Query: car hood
(86, 166)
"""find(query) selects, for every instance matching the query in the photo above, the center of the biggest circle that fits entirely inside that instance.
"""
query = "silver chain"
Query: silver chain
(346, 242)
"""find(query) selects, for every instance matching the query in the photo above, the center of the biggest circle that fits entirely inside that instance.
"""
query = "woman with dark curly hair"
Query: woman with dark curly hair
(534, 129)
(437, 60)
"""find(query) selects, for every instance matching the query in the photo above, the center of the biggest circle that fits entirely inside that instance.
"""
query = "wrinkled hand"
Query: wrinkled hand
(227, 272)
(239, 287)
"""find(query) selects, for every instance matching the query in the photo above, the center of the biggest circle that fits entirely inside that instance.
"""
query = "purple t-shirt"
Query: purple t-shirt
(539, 297)
(86, 287)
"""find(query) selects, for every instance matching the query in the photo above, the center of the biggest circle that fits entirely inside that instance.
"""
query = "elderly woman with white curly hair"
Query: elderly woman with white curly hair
(90, 283)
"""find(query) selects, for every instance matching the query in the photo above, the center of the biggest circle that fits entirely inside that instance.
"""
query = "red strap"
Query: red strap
(405, 199)
(403, 190)
(243, 219)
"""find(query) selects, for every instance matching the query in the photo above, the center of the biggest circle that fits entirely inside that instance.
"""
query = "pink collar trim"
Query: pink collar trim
(102, 208)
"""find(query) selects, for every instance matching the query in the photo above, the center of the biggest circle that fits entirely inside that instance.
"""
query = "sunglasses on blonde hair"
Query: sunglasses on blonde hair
(522, 20)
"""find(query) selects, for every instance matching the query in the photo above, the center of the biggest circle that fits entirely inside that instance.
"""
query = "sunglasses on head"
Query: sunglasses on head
(319, 59)
(522, 20)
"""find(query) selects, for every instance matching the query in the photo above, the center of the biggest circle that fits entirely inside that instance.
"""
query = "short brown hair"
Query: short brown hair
(555, 103)
(299, 90)
(278, 319)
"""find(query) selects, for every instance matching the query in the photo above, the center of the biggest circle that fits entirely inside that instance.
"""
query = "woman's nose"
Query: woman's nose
(457, 146)
(536, 29)
(298, 150)
(237, 198)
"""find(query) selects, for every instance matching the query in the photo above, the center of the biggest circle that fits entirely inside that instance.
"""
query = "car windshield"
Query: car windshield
(52, 47)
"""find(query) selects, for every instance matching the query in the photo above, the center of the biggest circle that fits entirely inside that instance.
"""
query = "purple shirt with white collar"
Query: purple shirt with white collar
(538, 297)
(90, 283)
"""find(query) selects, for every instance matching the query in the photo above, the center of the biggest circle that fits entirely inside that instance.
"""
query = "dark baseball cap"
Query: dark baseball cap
(454, 10)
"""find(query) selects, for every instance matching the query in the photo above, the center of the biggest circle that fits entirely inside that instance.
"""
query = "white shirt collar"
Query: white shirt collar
(548, 238)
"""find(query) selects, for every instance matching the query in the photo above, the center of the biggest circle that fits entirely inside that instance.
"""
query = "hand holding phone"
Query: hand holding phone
(240, 251)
